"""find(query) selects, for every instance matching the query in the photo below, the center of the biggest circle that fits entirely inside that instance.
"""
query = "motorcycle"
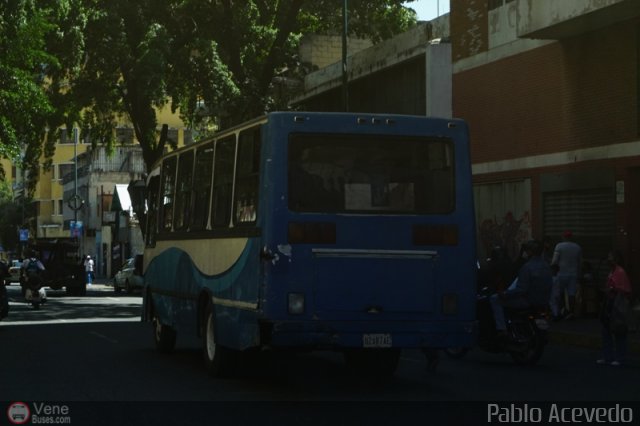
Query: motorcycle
(34, 292)
(526, 333)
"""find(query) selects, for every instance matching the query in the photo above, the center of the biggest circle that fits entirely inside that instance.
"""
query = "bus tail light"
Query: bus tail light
(296, 303)
(450, 304)
(312, 233)
(435, 235)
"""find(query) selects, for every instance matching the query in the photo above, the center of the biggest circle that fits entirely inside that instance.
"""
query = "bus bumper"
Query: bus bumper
(354, 334)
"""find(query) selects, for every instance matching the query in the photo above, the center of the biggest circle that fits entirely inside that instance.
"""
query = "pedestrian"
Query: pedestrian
(88, 267)
(615, 313)
(567, 260)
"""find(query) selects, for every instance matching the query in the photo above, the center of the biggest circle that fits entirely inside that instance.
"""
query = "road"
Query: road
(95, 348)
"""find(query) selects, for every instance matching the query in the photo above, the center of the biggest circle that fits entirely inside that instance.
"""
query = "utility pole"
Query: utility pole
(75, 180)
(345, 79)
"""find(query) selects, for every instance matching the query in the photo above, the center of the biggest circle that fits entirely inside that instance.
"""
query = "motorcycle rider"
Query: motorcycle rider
(531, 289)
(31, 272)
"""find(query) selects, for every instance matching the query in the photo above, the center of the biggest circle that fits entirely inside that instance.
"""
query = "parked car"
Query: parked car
(128, 277)
(14, 272)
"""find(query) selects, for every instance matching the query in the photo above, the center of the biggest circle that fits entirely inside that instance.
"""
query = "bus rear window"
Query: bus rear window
(331, 173)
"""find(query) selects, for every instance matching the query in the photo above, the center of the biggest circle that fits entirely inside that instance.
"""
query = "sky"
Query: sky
(428, 9)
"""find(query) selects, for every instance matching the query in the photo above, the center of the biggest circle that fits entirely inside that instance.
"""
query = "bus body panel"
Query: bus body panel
(374, 279)
(176, 280)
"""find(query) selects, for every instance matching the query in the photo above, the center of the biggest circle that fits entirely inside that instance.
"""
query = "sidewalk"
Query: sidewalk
(586, 332)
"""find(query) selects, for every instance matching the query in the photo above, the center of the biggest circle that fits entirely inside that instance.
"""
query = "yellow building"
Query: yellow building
(44, 217)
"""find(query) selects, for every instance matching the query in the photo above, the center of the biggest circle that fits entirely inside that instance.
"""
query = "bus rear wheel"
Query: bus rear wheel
(217, 358)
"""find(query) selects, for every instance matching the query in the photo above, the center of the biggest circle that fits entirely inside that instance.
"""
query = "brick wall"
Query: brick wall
(580, 92)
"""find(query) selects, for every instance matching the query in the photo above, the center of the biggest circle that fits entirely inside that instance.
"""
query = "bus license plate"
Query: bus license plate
(376, 340)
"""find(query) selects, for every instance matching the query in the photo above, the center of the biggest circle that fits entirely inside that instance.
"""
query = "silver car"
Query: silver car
(128, 278)
(14, 272)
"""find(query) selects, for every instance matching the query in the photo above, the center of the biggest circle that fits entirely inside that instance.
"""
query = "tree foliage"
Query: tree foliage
(106, 61)
(25, 108)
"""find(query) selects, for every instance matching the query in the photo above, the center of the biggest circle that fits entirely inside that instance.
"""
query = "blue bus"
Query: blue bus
(329, 231)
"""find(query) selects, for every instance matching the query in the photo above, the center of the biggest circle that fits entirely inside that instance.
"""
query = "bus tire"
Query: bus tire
(217, 358)
(163, 336)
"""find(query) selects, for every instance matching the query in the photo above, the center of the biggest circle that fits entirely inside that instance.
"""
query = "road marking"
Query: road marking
(112, 298)
(102, 336)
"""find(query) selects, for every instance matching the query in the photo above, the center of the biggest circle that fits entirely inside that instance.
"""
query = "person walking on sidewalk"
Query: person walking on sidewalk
(615, 312)
(88, 268)
(567, 259)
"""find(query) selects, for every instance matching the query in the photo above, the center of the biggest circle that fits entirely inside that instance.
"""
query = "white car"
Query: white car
(14, 272)
(128, 278)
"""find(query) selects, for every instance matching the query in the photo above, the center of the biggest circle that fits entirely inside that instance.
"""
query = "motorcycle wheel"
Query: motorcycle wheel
(531, 354)
(456, 353)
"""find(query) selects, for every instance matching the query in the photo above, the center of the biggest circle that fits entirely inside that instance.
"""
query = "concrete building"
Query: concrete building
(551, 92)
(100, 181)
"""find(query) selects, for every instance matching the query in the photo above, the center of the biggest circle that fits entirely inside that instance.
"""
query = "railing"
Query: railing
(124, 159)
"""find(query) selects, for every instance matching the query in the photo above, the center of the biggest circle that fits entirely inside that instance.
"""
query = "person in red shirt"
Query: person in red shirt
(615, 310)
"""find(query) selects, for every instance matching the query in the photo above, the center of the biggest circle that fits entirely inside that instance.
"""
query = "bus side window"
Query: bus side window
(223, 182)
(247, 177)
(183, 191)
(167, 194)
(202, 184)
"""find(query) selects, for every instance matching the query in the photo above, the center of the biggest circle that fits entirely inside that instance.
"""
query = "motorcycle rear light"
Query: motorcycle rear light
(435, 235)
(312, 233)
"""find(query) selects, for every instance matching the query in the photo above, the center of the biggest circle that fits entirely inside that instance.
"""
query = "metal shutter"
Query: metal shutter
(588, 213)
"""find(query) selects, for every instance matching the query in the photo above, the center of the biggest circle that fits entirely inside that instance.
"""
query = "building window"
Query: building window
(62, 170)
(124, 135)
(56, 207)
(172, 136)
(64, 137)
(188, 136)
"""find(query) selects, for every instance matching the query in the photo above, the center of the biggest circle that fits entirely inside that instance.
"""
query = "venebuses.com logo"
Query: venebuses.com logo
(18, 413)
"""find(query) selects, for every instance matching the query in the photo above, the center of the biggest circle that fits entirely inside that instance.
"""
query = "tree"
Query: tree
(24, 106)
(222, 54)
(259, 39)
(95, 63)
